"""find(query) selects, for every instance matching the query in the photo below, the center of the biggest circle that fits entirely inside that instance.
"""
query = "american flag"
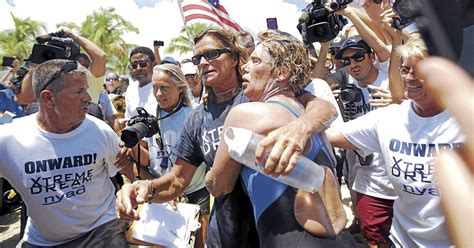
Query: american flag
(209, 10)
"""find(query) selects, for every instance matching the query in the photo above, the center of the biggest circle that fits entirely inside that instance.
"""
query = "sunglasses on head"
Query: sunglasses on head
(142, 64)
(358, 57)
(212, 54)
(68, 67)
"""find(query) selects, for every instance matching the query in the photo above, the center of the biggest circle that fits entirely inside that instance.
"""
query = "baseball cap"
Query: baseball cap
(355, 42)
(188, 68)
(169, 60)
(337, 42)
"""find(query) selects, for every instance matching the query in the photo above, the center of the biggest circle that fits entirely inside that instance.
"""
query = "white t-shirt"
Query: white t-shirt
(170, 128)
(371, 179)
(320, 88)
(408, 143)
(64, 179)
(139, 97)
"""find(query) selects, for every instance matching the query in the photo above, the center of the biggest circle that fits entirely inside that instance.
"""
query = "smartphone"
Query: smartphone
(272, 23)
(8, 61)
(158, 43)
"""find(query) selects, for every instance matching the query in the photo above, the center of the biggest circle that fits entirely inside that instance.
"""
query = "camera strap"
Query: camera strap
(176, 109)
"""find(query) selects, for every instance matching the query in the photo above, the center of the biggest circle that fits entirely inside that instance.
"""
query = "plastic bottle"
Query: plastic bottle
(307, 175)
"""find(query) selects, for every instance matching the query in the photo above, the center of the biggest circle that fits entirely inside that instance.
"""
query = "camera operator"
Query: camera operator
(374, 192)
(95, 64)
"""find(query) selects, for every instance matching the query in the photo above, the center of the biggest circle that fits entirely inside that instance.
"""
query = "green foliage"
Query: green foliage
(182, 43)
(104, 27)
(19, 41)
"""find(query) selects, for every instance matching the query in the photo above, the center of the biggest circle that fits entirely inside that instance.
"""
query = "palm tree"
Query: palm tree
(105, 28)
(20, 40)
(181, 44)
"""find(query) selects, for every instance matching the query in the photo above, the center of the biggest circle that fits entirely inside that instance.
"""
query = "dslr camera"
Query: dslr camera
(318, 24)
(139, 126)
(54, 46)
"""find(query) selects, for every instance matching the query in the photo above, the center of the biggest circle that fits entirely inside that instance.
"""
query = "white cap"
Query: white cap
(188, 68)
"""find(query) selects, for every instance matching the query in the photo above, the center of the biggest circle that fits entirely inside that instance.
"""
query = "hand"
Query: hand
(454, 170)
(336, 93)
(124, 157)
(288, 143)
(387, 24)
(67, 32)
(128, 197)
(379, 97)
(347, 11)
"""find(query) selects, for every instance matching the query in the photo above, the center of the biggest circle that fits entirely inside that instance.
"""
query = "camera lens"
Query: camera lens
(132, 134)
(347, 95)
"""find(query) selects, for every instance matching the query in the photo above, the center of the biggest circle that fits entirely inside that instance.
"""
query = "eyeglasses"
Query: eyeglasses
(405, 70)
(68, 67)
(142, 64)
(212, 54)
(358, 57)
(111, 79)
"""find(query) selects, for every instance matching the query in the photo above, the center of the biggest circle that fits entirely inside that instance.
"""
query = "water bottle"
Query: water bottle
(307, 175)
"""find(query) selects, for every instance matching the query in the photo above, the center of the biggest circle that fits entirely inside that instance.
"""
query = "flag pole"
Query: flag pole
(191, 43)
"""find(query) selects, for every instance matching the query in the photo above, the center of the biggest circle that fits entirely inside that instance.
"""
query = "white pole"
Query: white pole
(191, 43)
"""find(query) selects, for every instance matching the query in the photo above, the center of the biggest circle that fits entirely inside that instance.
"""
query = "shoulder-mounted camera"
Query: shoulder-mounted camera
(318, 24)
(54, 46)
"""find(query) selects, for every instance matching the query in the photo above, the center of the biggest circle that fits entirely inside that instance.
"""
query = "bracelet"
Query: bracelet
(151, 191)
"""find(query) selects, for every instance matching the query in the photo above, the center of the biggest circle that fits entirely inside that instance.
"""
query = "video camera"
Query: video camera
(49, 46)
(54, 46)
(318, 24)
(139, 126)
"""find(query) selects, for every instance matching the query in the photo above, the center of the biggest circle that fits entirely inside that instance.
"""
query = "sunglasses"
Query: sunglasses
(68, 67)
(405, 70)
(212, 54)
(142, 64)
(111, 79)
(358, 57)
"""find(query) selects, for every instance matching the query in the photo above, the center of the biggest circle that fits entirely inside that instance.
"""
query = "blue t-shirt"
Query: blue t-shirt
(7, 103)
(232, 223)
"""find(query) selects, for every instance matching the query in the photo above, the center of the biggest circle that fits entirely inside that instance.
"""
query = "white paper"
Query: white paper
(160, 224)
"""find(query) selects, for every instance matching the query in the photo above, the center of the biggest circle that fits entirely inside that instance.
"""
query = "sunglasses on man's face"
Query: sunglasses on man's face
(212, 54)
(358, 57)
(111, 79)
(142, 64)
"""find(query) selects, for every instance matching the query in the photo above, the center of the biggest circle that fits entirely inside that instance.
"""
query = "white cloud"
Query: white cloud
(161, 21)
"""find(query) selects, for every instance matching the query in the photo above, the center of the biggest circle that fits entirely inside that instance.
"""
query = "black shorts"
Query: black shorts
(202, 198)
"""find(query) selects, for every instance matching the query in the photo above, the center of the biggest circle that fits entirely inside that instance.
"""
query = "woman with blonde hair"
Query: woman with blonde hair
(157, 154)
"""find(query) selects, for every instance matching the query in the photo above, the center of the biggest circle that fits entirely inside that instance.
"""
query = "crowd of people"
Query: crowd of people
(367, 108)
